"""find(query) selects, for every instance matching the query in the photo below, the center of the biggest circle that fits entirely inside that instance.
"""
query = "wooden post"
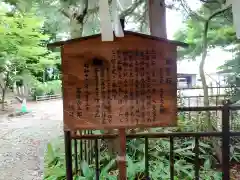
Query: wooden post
(122, 155)
(122, 137)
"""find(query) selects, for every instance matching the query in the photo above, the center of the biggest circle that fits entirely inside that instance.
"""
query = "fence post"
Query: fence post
(68, 155)
(225, 140)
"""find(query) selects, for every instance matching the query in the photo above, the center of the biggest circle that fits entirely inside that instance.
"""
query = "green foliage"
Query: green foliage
(62, 17)
(220, 32)
(158, 160)
(47, 88)
(54, 162)
(23, 48)
(158, 156)
(231, 69)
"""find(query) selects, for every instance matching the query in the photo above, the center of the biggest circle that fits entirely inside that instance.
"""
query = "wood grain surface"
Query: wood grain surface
(130, 82)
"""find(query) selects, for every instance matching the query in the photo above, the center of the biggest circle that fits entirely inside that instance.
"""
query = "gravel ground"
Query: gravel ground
(24, 138)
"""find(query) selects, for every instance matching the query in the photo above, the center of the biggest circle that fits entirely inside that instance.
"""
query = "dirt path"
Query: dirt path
(23, 140)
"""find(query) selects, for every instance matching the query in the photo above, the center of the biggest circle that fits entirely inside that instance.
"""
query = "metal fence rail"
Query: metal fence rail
(225, 135)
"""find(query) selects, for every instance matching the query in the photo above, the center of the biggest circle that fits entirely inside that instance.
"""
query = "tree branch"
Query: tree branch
(131, 9)
(81, 16)
(205, 32)
(7, 80)
(1, 86)
(96, 9)
(206, 26)
(1, 81)
(209, 1)
(190, 12)
(208, 21)
(65, 13)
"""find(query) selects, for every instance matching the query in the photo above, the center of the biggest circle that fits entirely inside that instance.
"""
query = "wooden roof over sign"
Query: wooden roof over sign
(177, 43)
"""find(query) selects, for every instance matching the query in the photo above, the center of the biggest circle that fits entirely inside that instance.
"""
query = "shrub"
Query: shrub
(158, 155)
(39, 91)
(159, 164)
(47, 88)
(55, 87)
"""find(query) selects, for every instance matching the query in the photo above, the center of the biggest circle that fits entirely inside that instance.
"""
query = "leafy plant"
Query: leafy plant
(54, 164)
(158, 157)
(23, 51)
(47, 88)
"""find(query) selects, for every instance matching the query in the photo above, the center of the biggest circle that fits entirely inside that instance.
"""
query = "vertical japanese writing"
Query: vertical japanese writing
(168, 70)
(142, 84)
(103, 97)
(161, 101)
(86, 93)
(154, 112)
(120, 77)
(114, 75)
(137, 87)
(109, 97)
(153, 57)
(78, 99)
(126, 84)
(119, 82)
(154, 82)
(161, 80)
(97, 91)
(148, 90)
(71, 109)
(125, 63)
(131, 86)
(125, 97)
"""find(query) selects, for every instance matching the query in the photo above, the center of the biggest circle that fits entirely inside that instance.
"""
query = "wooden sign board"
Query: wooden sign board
(128, 83)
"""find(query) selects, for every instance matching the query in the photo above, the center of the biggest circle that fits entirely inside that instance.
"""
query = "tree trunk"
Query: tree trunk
(201, 67)
(4, 89)
(3, 99)
(44, 76)
(76, 28)
(157, 18)
(76, 17)
(207, 115)
(15, 88)
(215, 142)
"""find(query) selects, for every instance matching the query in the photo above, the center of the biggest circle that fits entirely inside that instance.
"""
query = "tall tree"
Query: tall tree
(22, 47)
(157, 18)
(81, 15)
(211, 26)
(205, 29)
